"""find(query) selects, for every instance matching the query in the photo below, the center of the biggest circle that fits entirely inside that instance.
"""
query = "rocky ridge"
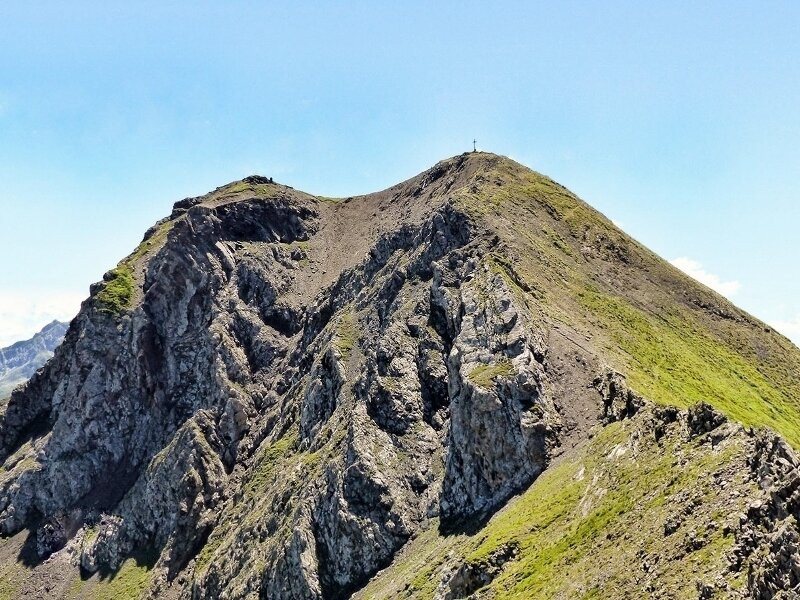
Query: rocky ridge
(278, 395)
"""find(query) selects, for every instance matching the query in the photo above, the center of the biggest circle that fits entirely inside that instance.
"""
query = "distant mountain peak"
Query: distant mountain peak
(20, 360)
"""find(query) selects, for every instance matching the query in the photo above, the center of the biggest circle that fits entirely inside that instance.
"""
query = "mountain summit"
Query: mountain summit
(470, 384)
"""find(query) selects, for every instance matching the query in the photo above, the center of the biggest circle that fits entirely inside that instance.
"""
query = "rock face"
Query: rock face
(276, 393)
(503, 427)
(21, 360)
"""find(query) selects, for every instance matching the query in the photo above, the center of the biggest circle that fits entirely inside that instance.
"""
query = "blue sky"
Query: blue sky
(678, 120)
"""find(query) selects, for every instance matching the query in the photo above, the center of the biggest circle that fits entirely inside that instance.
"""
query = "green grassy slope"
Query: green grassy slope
(677, 341)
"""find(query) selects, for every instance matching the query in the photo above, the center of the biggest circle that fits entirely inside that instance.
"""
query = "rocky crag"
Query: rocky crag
(468, 385)
(21, 360)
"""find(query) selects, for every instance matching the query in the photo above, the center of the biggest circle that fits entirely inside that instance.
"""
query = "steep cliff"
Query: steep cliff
(279, 395)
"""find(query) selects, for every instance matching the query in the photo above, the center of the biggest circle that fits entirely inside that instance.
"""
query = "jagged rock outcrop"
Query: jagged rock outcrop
(619, 401)
(502, 427)
(468, 578)
(276, 393)
(768, 541)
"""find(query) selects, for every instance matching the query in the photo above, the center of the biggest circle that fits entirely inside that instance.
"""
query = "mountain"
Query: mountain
(470, 384)
(20, 360)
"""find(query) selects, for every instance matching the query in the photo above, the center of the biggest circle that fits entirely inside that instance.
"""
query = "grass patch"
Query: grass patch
(154, 241)
(259, 189)
(346, 336)
(207, 552)
(129, 582)
(485, 375)
(117, 293)
(303, 245)
(305, 248)
(241, 186)
(9, 584)
(267, 470)
(91, 534)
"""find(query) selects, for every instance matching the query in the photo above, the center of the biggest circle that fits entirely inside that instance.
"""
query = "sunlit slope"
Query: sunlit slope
(678, 341)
